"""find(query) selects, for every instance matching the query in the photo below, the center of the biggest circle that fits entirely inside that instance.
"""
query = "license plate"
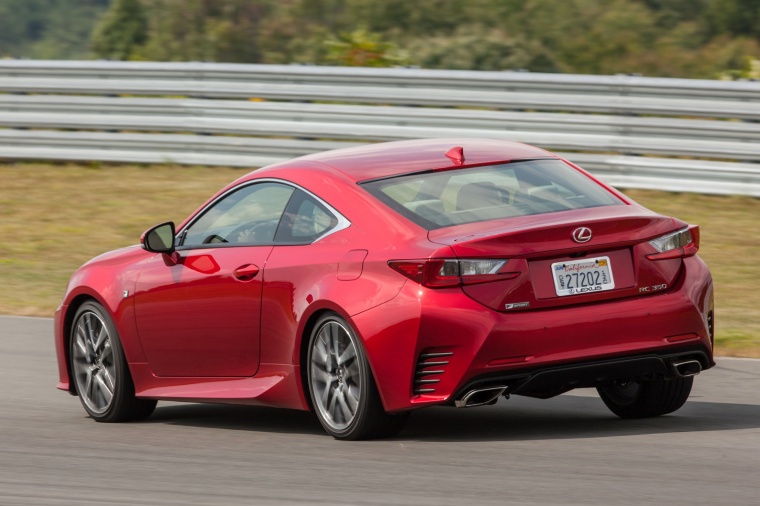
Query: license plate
(583, 276)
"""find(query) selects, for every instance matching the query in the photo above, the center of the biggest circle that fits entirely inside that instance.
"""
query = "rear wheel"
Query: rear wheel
(342, 389)
(99, 370)
(646, 398)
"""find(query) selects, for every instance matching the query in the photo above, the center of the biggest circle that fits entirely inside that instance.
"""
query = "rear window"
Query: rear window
(453, 197)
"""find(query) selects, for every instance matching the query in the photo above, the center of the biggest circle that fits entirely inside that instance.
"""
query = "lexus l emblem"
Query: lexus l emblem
(582, 234)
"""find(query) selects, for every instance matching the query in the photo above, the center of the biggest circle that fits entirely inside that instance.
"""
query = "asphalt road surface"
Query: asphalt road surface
(567, 450)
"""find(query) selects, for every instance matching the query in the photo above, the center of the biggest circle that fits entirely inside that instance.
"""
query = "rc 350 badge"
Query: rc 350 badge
(654, 288)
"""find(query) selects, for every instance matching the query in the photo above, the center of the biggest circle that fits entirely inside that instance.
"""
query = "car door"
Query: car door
(199, 314)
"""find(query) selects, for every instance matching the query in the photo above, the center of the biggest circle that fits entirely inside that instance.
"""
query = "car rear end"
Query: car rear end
(541, 280)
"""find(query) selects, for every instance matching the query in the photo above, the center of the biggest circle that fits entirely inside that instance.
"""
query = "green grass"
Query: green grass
(53, 218)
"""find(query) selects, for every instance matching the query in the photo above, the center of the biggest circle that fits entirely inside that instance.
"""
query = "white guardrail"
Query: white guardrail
(635, 132)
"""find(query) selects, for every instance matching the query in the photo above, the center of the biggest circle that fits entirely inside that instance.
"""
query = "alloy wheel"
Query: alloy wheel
(335, 375)
(93, 362)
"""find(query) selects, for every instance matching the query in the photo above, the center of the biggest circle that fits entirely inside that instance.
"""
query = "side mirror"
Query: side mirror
(159, 239)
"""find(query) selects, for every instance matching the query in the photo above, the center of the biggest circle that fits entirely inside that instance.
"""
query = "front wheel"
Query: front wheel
(342, 389)
(646, 398)
(100, 372)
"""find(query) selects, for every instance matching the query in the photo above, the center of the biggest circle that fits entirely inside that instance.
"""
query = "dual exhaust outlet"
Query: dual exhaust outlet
(489, 395)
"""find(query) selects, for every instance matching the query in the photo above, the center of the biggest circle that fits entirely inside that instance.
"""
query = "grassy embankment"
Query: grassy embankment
(55, 217)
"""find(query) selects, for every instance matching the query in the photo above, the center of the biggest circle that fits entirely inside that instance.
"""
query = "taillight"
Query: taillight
(439, 272)
(679, 244)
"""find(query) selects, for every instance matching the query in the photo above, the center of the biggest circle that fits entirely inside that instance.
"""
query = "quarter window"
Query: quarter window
(305, 220)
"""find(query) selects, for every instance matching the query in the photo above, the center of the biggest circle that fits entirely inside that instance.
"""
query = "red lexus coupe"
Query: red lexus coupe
(368, 282)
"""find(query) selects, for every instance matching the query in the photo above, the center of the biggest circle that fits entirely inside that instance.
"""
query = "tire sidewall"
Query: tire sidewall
(656, 397)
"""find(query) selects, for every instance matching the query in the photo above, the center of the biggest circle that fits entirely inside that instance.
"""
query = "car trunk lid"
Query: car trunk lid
(542, 252)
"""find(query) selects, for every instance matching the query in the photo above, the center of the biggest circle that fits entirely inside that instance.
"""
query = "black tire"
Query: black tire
(332, 382)
(646, 398)
(99, 370)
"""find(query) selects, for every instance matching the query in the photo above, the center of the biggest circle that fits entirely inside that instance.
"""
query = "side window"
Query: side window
(247, 216)
(305, 220)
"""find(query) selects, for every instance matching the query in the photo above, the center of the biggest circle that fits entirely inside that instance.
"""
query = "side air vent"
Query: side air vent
(430, 366)
(711, 326)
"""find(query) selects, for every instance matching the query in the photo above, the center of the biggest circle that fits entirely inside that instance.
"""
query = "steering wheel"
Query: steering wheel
(214, 239)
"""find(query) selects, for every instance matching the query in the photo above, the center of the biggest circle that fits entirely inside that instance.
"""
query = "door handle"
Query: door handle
(246, 272)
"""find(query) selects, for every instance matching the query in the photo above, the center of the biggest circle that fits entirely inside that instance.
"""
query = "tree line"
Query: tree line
(679, 38)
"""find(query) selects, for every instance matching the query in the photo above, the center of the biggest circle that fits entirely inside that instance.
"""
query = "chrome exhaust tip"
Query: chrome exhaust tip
(686, 368)
(480, 397)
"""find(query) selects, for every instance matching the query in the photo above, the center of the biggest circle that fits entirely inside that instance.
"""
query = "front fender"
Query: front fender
(108, 280)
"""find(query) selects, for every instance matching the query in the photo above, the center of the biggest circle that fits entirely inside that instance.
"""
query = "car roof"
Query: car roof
(386, 159)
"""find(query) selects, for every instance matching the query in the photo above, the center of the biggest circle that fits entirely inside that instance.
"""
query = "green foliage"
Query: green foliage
(477, 48)
(428, 17)
(49, 29)
(361, 48)
(122, 31)
(204, 30)
(688, 38)
(750, 69)
(735, 17)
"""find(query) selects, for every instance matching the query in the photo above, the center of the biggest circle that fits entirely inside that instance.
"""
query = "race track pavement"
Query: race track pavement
(565, 451)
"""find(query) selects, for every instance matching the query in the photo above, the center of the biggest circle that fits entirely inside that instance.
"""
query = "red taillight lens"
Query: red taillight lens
(680, 244)
(412, 270)
(440, 272)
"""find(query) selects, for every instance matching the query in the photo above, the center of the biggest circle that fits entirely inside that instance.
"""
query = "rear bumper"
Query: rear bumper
(621, 338)
(549, 381)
